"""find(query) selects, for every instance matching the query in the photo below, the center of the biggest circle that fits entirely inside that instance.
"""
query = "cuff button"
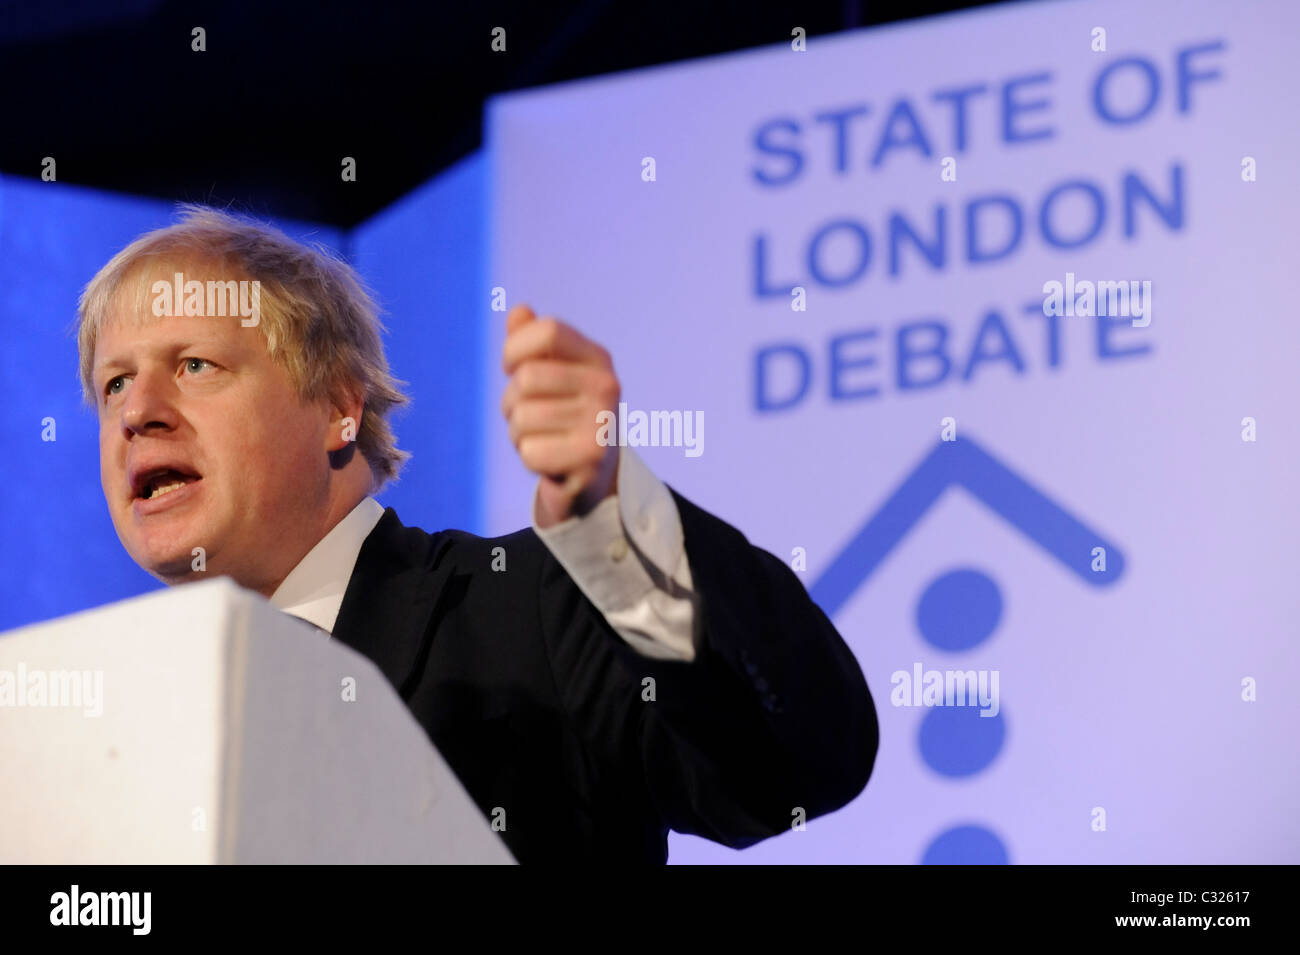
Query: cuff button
(617, 549)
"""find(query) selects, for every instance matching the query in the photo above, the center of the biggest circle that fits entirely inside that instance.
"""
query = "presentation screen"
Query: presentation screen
(983, 324)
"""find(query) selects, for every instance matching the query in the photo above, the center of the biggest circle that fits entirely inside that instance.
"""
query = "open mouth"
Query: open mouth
(164, 482)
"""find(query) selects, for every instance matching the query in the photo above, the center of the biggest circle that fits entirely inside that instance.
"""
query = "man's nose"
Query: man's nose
(149, 404)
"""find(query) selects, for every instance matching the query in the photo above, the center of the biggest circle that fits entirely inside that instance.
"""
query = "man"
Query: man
(629, 665)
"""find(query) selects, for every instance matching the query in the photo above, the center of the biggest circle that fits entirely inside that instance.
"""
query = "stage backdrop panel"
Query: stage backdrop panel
(842, 258)
(62, 553)
(423, 256)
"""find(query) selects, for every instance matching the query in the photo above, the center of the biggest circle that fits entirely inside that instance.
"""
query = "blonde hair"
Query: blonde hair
(320, 322)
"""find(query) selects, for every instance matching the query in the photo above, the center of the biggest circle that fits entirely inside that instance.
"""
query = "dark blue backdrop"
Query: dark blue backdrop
(423, 258)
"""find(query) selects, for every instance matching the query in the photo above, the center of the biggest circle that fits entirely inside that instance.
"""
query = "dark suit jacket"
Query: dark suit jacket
(537, 704)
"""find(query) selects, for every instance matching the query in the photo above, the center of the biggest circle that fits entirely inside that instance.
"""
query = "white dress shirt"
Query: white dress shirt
(627, 555)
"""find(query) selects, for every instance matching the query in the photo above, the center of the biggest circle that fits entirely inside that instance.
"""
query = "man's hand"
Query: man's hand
(559, 382)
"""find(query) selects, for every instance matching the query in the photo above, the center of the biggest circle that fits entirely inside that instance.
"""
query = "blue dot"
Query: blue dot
(966, 845)
(957, 741)
(959, 610)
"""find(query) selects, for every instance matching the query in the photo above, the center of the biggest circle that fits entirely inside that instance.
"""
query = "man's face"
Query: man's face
(196, 404)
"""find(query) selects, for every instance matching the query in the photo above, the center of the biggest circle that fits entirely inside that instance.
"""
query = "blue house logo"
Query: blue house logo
(961, 608)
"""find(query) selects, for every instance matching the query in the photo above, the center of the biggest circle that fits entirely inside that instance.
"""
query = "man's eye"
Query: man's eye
(196, 364)
(109, 389)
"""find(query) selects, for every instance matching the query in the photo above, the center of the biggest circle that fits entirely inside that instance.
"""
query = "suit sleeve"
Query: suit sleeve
(770, 722)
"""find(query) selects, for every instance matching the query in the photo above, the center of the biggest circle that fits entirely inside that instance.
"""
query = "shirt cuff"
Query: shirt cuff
(628, 556)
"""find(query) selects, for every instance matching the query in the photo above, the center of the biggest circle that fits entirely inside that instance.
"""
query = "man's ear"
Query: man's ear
(345, 418)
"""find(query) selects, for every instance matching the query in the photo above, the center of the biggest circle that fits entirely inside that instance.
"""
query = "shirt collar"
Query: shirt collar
(314, 589)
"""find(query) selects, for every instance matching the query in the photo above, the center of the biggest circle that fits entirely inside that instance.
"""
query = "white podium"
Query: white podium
(202, 725)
